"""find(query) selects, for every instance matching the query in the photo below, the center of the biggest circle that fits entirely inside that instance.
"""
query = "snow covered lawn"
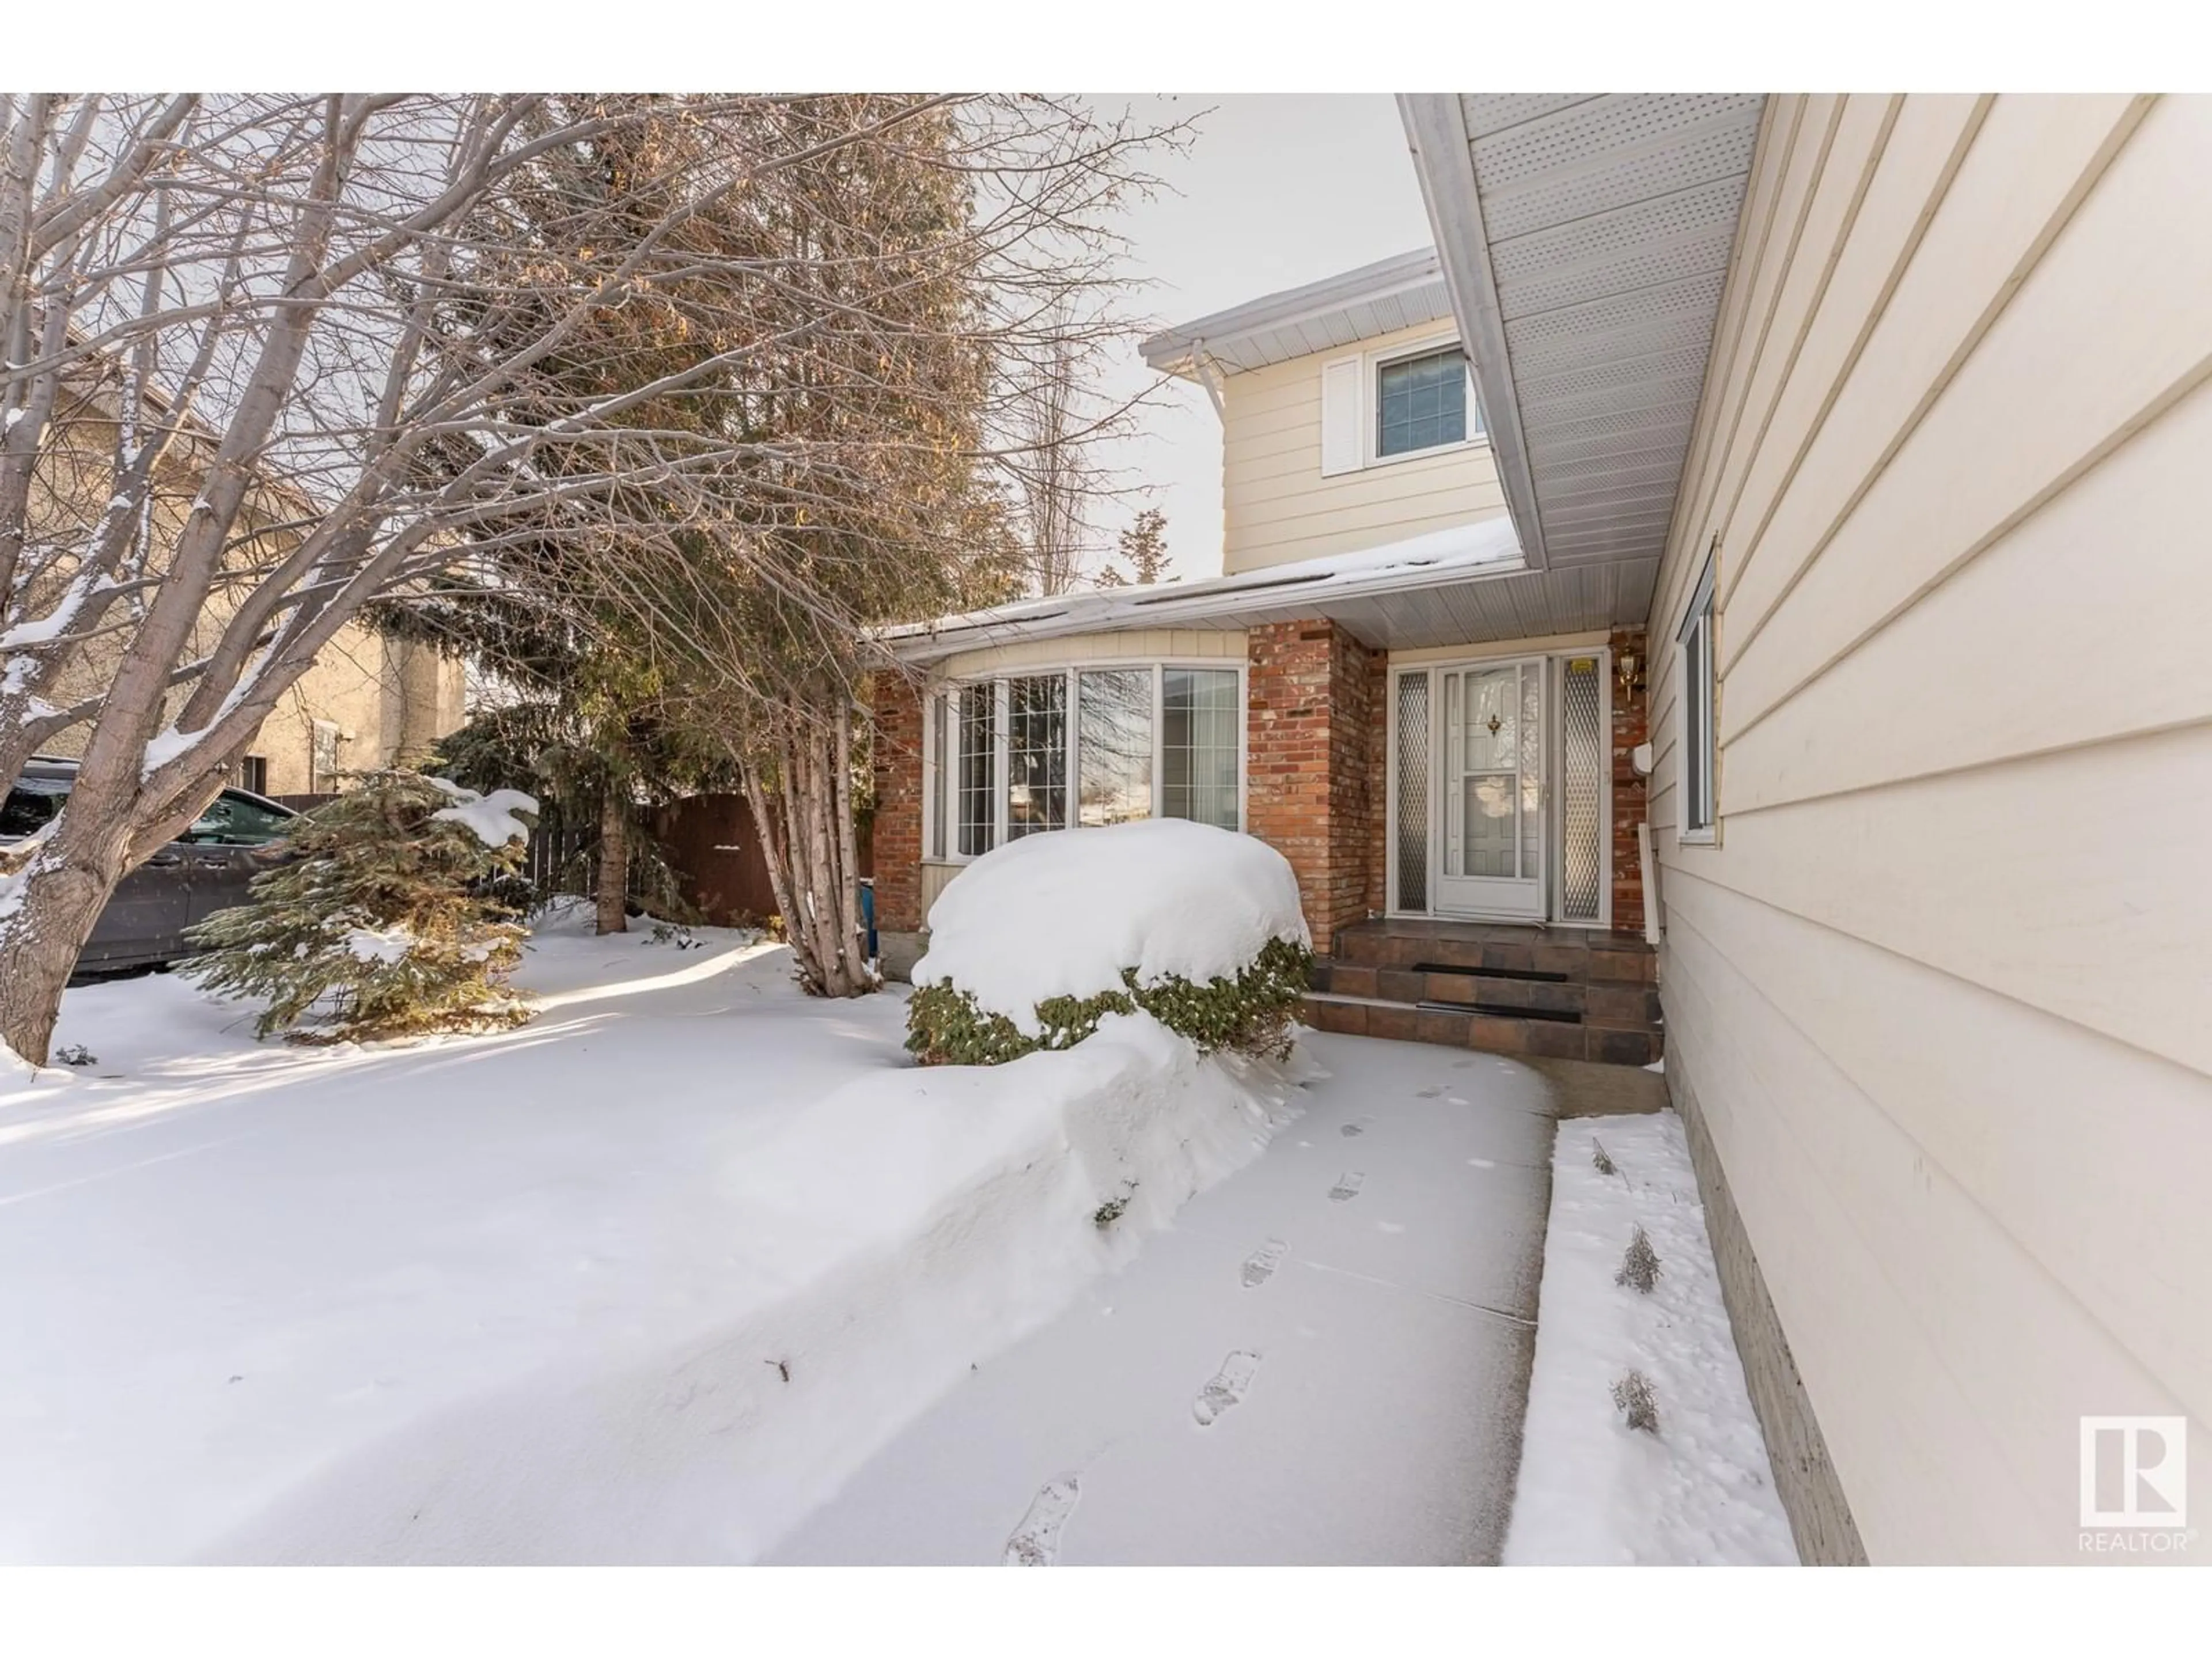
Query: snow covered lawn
(642, 1281)
(1592, 1490)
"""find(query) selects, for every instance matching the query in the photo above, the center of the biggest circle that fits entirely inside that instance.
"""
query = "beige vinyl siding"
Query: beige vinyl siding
(1278, 509)
(1943, 989)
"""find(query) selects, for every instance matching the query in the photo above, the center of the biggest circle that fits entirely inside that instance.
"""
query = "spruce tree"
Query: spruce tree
(382, 917)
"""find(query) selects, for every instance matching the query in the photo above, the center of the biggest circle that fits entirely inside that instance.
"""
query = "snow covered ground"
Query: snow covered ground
(642, 1281)
(1592, 1490)
(1322, 1364)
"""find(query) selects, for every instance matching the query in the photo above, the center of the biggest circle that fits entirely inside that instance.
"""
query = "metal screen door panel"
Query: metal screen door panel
(1410, 827)
(1581, 789)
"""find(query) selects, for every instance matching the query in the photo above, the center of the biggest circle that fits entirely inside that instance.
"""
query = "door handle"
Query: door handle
(165, 858)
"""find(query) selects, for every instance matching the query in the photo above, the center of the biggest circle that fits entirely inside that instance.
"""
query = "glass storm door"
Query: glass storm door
(1490, 850)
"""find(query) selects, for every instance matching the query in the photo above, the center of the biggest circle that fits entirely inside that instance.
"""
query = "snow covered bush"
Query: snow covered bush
(1038, 942)
(383, 917)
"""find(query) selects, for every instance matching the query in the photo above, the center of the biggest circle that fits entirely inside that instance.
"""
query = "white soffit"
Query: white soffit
(1586, 241)
(1464, 585)
(1402, 292)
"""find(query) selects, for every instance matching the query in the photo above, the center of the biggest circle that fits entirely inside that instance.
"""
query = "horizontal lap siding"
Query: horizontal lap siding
(1941, 990)
(1277, 507)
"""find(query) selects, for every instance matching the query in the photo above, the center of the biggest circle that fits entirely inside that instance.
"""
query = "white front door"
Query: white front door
(1490, 855)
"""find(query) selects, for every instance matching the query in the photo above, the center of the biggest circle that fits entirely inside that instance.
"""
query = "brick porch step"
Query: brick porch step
(1613, 957)
(1502, 989)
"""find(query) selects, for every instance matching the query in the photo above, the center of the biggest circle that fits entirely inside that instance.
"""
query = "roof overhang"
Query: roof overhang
(1338, 311)
(1446, 586)
(1585, 241)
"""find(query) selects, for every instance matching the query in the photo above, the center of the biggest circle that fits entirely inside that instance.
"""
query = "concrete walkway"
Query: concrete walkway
(1325, 1361)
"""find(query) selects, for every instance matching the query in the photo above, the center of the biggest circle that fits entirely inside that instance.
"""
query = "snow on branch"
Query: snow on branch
(491, 818)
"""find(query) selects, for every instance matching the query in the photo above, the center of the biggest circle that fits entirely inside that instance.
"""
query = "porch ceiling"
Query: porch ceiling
(1586, 241)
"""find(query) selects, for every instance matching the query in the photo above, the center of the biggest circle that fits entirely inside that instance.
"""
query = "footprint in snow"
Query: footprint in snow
(1260, 1265)
(1035, 1542)
(1348, 1185)
(1228, 1388)
(1427, 1094)
(1349, 1130)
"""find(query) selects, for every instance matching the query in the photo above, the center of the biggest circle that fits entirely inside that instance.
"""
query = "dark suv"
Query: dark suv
(204, 870)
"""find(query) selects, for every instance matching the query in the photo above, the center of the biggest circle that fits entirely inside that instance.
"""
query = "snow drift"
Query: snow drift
(1054, 915)
(896, 1233)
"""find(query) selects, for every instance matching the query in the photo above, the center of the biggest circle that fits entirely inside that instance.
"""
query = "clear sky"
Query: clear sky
(1277, 191)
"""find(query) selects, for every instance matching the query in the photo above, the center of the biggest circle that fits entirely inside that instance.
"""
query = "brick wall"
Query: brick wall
(897, 831)
(1631, 720)
(1379, 783)
(1313, 780)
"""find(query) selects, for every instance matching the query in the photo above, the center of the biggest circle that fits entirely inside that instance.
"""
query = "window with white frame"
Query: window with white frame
(1129, 741)
(1421, 401)
(1699, 745)
(1390, 406)
(977, 773)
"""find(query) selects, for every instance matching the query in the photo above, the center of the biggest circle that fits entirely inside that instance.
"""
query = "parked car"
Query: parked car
(204, 870)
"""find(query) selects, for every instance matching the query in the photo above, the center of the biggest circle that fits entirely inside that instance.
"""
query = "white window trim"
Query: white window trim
(1372, 363)
(1706, 742)
(932, 761)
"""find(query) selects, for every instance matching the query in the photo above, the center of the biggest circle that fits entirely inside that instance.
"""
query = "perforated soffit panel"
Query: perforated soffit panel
(1609, 221)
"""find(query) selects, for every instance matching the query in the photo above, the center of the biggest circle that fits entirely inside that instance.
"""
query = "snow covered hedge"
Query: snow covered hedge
(1038, 942)
(381, 920)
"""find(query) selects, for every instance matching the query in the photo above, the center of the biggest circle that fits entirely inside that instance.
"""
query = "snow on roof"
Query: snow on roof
(1462, 553)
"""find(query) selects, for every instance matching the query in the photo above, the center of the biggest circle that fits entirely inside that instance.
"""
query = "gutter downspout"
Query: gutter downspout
(1208, 376)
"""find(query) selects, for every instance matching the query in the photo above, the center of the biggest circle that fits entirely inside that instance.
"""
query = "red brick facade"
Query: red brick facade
(1314, 766)
(1317, 777)
(1631, 720)
(897, 831)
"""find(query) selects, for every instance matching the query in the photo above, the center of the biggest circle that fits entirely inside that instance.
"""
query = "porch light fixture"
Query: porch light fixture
(1625, 669)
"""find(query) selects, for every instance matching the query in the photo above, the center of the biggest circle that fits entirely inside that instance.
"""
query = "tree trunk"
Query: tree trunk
(806, 837)
(61, 890)
(613, 896)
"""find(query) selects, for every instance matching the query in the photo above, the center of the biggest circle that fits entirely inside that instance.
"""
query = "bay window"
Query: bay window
(1114, 745)
(979, 728)
(1201, 711)
(1037, 754)
(1130, 741)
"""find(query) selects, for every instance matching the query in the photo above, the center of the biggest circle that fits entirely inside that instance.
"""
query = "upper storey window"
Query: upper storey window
(1397, 404)
(1421, 401)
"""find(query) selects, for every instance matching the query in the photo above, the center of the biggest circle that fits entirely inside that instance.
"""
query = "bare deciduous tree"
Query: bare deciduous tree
(238, 403)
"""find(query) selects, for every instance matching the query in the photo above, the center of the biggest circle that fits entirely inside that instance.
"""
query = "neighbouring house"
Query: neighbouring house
(1837, 460)
(367, 699)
